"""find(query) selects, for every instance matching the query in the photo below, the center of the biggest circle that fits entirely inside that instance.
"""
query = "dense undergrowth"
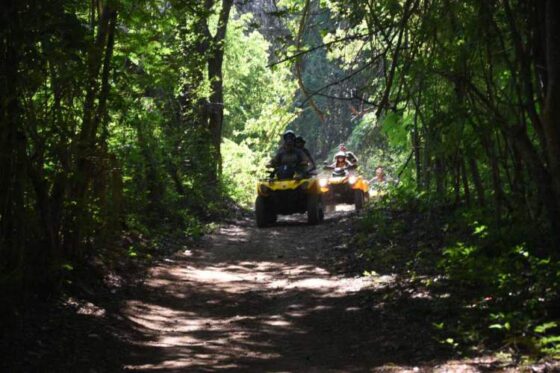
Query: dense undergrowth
(492, 282)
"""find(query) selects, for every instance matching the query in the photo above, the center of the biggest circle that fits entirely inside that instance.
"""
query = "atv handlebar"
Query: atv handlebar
(350, 167)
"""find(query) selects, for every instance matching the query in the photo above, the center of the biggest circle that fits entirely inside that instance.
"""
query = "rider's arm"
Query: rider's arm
(275, 161)
(308, 160)
(312, 162)
(303, 161)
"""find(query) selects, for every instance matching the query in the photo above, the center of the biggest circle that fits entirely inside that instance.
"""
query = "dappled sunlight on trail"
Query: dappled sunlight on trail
(268, 299)
(247, 298)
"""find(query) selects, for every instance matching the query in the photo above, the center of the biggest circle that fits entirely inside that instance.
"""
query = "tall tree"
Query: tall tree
(204, 111)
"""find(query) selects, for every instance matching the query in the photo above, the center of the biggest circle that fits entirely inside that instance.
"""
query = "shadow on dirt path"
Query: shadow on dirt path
(284, 298)
(270, 299)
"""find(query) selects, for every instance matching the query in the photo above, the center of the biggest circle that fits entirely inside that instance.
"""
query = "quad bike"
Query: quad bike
(286, 196)
(377, 190)
(344, 187)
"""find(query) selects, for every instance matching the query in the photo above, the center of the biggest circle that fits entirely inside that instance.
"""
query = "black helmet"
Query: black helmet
(289, 133)
(300, 140)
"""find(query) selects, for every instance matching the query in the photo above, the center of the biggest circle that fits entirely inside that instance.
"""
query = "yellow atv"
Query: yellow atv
(298, 194)
(344, 187)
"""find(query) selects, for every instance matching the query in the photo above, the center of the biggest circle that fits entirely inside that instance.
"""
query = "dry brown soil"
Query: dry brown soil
(279, 299)
(288, 298)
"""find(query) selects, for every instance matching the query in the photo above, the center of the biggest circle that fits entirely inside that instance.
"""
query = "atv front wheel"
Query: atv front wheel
(321, 212)
(314, 209)
(272, 217)
(260, 212)
(358, 199)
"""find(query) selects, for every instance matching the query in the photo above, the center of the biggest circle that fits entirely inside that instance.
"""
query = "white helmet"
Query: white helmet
(340, 154)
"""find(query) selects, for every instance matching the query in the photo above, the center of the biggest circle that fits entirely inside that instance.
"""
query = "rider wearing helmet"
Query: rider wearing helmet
(289, 134)
(289, 159)
(351, 157)
(340, 160)
(300, 144)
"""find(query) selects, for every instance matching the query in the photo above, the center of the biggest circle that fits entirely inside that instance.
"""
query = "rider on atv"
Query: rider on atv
(351, 157)
(289, 160)
(341, 161)
(344, 185)
(300, 144)
(293, 190)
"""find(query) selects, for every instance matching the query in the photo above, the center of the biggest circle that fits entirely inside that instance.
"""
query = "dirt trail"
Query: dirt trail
(254, 299)
(287, 298)
(269, 299)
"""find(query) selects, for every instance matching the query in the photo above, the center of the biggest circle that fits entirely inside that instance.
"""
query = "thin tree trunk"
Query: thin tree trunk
(215, 75)
(466, 188)
(457, 181)
(551, 112)
(426, 159)
(416, 146)
(12, 146)
(440, 176)
(477, 181)
(99, 60)
(495, 174)
(298, 62)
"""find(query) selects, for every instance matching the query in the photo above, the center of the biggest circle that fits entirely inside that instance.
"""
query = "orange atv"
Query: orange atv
(343, 186)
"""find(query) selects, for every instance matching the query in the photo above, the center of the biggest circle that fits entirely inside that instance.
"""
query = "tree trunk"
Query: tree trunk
(99, 60)
(495, 173)
(457, 182)
(298, 63)
(12, 146)
(439, 172)
(215, 74)
(477, 181)
(551, 112)
(541, 176)
(416, 146)
(466, 188)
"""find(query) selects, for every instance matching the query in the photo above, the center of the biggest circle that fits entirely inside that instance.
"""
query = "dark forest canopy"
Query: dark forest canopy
(125, 116)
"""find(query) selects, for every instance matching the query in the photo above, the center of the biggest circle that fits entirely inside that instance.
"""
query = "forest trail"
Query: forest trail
(274, 299)
(248, 298)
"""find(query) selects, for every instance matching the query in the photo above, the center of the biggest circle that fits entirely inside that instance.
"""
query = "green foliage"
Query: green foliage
(449, 83)
(496, 278)
(519, 285)
(379, 142)
(240, 170)
(105, 99)
(111, 121)
(258, 108)
(257, 98)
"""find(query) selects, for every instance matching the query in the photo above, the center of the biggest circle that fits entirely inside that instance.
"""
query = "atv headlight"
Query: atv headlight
(323, 183)
(352, 179)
